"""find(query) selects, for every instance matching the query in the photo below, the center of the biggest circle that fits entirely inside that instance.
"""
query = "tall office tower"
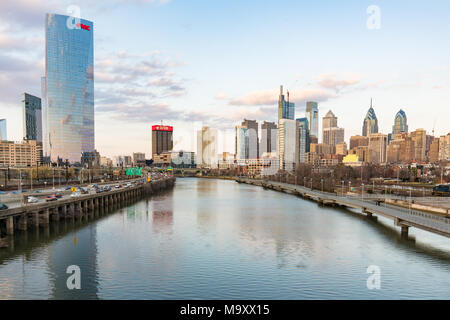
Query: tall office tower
(329, 121)
(434, 151)
(331, 134)
(68, 88)
(207, 147)
(32, 118)
(358, 141)
(400, 123)
(286, 109)
(377, 147)
(269, 136)
(242, 143)
(312, 114)
(419, 137)
(304, 123)
(253, 138)
(287, 142)
(370, 124)
(3, 135)
(444, 147)
(162, 139)
(301, 142)
(341, 148)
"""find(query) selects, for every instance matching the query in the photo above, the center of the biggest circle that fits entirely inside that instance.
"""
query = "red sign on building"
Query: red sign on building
(83, 26)
(162, 128)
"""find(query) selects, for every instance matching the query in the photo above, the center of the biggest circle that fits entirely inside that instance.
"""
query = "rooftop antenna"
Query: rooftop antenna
(434, 124)
(371, 102)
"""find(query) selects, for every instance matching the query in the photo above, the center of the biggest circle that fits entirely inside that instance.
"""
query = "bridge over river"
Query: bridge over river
(402, 217)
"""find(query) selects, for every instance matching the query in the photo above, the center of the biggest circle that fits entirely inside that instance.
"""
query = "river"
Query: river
(217, 239)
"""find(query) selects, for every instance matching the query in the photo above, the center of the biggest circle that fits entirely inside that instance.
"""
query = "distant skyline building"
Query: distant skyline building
(32, 117)
(3, 133)
(400, 123)
(286, 109)
(304, 123)
(312, 114)
(207, 147)
(331, 134)
(301, 142)
(242, 142)
(377, 148)
(287, 136)
(162, 139)
(370, 124)
(253, 138)
(68, 89)
(269, 138)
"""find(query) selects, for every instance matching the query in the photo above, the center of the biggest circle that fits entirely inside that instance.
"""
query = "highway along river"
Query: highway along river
(217, 239)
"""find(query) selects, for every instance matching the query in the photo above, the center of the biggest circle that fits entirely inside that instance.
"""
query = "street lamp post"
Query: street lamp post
(362, 191)
(53, 179)
(304, 182)
(342, 189)
(410, 199)
(311, 184)
(321, 181)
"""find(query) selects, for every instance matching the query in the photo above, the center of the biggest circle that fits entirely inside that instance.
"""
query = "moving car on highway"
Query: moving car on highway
(31, 199)
(50, 198)
(3, 206)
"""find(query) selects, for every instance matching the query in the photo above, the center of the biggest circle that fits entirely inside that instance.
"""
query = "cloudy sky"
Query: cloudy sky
(190, 63)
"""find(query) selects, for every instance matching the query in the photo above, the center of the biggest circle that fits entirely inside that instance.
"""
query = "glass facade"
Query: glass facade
(286, 109)
(32, 118)
(370, 124)
(400, 123)
(312, 114)
(68, 89)
(3, 135)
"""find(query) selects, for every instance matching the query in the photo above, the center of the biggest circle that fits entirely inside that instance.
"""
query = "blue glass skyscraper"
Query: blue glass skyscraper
(68, 88)
(286, 109)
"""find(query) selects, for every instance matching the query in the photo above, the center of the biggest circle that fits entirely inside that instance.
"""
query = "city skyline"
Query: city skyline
(183, 95)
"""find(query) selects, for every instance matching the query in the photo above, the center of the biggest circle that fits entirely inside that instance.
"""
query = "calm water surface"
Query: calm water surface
(214, 239)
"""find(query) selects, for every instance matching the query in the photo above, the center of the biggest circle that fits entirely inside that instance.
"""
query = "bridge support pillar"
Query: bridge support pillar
(35, 219)
(45, 218)
(64, 211)
(23, 221)
(405, 230)
(10, 225)
(55, 215)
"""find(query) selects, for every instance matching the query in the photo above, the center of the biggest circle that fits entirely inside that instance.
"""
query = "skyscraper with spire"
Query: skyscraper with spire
(286, 109)
(370, 124)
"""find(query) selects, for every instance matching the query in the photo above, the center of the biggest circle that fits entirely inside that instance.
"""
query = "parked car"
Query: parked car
(32, 199)
(50, 198)
(3, 206)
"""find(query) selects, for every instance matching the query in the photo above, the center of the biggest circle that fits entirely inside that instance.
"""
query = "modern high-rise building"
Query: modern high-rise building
(329, 121)
(253, 138)
(287, 136)
(162, 139)
(242, 143)
(377, 147)
(3, 135)
(312, 114)
(68, 88)
(269, 137)
(32, 118)
(370, 124)
(400, 123)
(20, 154)
(286, 109)
(304, 123)
(331, 134)
(301, 142)
(207, 140)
